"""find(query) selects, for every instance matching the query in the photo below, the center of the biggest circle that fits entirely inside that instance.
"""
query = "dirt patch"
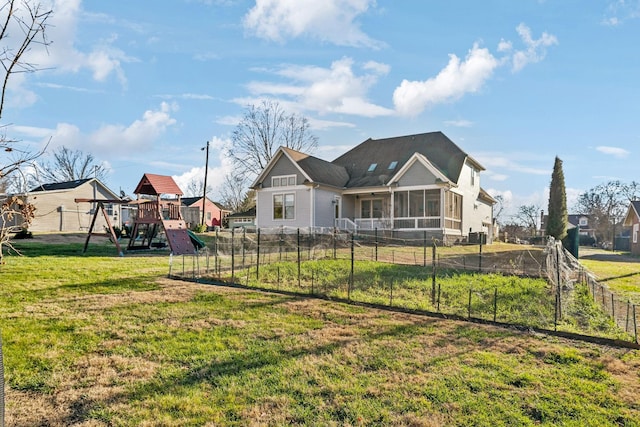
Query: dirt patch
(61, 238)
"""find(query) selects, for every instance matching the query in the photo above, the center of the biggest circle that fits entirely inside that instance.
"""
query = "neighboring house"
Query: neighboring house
(582, 222)
(407, 186)
(632, 219)
(214, 212)
(56, 209)
(246, 219)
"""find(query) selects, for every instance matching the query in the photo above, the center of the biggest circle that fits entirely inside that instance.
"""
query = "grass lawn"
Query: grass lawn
(619, 271)
(100, 340)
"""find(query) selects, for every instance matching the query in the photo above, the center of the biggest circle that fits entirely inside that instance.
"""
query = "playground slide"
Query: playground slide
(197, 242)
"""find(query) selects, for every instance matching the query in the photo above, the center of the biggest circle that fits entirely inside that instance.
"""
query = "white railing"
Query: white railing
(417, 222)
(346, 224)
(373, 223)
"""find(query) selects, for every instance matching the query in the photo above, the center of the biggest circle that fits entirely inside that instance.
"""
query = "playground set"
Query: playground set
(158, 220)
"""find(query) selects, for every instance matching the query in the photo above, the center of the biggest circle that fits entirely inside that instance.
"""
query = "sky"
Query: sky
(143, 86)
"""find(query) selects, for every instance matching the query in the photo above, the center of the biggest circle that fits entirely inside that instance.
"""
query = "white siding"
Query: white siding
(283, 167)
(302, 216)
(324, 207)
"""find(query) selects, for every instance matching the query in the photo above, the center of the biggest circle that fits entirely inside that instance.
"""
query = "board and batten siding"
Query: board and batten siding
(283, 167)
(417, 174)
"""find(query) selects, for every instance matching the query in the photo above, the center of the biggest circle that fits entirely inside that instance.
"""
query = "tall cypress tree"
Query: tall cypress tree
(557, 221)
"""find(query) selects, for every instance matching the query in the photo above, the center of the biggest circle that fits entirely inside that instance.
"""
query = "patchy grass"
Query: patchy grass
(619, 271)
(106, 341)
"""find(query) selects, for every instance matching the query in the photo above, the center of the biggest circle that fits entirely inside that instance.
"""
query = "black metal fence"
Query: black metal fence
(331, 264)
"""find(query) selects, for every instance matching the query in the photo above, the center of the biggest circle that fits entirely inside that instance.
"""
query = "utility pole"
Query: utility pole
(204, 190)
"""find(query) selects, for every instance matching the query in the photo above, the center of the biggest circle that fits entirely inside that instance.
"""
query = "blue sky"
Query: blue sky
(144, 85)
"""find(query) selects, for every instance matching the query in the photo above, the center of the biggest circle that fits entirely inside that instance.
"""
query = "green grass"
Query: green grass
(103, 340)
(619, 272)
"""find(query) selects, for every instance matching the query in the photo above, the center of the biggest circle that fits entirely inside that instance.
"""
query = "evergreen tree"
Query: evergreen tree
(557, 220)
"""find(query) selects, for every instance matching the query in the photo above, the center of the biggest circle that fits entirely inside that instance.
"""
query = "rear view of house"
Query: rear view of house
(409, 185)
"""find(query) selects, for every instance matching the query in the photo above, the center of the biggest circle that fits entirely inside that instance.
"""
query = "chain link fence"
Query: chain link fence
(470, 281)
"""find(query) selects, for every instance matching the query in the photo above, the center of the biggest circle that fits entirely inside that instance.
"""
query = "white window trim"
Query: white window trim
(273, 206)
(636, 226)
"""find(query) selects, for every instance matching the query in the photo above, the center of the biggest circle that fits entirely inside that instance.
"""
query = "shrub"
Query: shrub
(200, 228)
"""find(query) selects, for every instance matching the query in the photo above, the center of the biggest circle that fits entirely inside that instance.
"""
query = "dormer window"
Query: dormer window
(393, 165)
(372, 167)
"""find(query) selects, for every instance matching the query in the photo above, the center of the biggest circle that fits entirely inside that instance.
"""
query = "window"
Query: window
(372, 167)
(635, 232)
(583, 222)
(473, 177)
(453, 210)
(283, 180)
(284, 206)
(371, 208)
(393, 165)
(416, 203)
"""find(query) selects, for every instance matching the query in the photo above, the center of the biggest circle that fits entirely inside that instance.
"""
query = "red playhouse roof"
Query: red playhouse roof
(155, 185)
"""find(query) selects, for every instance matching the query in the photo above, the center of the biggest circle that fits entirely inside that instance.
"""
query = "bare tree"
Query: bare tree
(22, 25)
(605, 204)
(195, 188)
(262, 130)
(233, 192)
(527, 217)
(69, 165)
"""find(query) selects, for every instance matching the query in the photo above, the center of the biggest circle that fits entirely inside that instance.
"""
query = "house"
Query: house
(632, 219)
(581, 221)
(214, 212)
(409, 186)
(56, 209)
(246, 219)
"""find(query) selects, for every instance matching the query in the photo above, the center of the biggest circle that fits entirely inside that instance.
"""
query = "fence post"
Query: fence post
(244, 242)
(635, 324)
(233, 256)
(215, 253)
(469, 306)
(335, 231)
(433, 273)
(613, 308)
(626, 324)
(480, 258)
(280, 243)
(298, 257)
(391, 294)
(438, 303)
(258, 256)
(376, 236)
(352, 263)
(424, 248)
(495, 304)
(558, 292)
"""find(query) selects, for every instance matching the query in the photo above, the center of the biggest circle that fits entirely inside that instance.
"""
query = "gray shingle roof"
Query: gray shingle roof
(435, 146)
(320, 171)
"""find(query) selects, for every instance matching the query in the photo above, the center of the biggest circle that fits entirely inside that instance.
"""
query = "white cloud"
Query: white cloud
(103, 60)
(452, 82)
(109, 139)
(333, 21)
(337, 89)
(618, 152)
(620, 11)
(535, 49)
(459, 123)
(215, 175)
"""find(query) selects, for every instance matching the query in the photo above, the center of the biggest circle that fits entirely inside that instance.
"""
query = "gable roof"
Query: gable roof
(67, 185)
(314, 169)
(155, 185)
(446, 156)
(634, 208)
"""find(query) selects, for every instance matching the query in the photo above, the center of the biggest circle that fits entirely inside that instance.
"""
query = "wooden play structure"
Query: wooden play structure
(101, 210)
(159, 220)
